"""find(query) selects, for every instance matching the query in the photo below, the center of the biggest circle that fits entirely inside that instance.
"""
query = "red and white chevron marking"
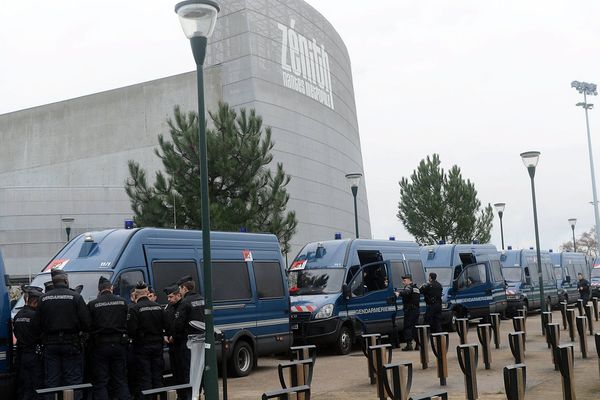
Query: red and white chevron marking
(302, 309)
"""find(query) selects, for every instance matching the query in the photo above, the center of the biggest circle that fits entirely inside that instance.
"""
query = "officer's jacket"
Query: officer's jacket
(25, 329)
(584, 285)
(170, 312)
(146, 321)
(62, 311)
(190, 309)
(410, 296)
(109, 315)
(432, 293)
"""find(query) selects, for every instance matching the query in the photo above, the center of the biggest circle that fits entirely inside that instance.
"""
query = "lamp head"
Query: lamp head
(354, 179)
(585, 87)
(198, 17)
(499, 207)
(572, 222)
(68, 222)
(530, 158)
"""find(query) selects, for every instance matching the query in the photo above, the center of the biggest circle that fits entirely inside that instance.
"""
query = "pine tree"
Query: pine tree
(437, 206)
(243, 191)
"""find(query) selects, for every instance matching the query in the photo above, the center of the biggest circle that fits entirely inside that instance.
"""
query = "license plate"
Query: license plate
(294, 326)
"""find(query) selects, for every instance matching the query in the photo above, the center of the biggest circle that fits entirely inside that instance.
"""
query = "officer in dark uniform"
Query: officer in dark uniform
(190, 309)
(174, 340)
(146, 325)
(584, 288)
(432, 292)
(410, 300)
(109, 340)
(48, 286)
(62, 317)
(29, 368)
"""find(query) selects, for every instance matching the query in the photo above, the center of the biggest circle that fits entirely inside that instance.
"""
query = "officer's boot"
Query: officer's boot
(408, 347)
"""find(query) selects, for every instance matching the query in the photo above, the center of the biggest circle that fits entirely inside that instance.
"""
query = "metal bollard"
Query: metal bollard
(401, 376)
(495, 322)
(546, 319)
(439, 346)
(580, 306)
(423, 333)
(462, 328)
(522, 312)
(377, 355)
(467, 360)
(484, 333)
(581, 330)
(516, 340)
(565, 362)
(519, 326)
(563, 313)
(589, 310)
(553, 334)
(308, 352)
(571, 323)
(595, 305)
(430, 396)
(515, 381)
(597, 337)
(371, 339)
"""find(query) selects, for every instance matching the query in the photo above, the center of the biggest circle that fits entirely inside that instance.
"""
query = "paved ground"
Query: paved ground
(345, 377)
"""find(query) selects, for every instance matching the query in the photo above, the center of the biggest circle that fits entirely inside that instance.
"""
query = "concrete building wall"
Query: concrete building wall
(70, 158)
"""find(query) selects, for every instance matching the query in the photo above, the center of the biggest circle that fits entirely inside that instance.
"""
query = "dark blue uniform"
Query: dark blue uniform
(30, 372)
(191, 308)
(584, 290)
(109, 343)
(433, 298)
(410, 301)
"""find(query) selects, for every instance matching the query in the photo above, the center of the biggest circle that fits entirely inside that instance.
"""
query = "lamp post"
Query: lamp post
(590, 89)
(198, 19)
(530, 159)
(572, 222)
(68, 222)
(354, 180)
(500, 210)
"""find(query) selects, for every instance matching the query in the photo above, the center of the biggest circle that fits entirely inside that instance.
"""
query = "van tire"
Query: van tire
(343, 343)
(242, 359)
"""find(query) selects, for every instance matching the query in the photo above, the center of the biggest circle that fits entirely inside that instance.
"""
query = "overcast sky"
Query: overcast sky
(476, 81)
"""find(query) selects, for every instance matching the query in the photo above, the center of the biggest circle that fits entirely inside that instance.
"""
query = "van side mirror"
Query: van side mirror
(455, 285)
(346, 291)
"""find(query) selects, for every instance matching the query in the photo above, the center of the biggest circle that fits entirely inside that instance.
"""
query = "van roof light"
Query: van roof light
(509, 248)
(442, 242)
(338, 236)
(392, 238)
(88, 237)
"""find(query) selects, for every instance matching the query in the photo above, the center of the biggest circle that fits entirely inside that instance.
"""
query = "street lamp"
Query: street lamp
(572, 222)
(68, 222)
(354, 180)
(198, 19)
(530, 159)
(590, 89)
(500, 210)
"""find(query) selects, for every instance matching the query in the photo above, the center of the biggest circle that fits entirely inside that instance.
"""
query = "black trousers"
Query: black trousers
(30, 374)
(411, 318)
(151, 364)
(110, 371)
(63, 366)
(585, 298)
(433, 317)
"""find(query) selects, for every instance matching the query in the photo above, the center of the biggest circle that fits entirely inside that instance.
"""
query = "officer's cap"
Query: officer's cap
(28, 289)
(171, 289)
(34, 294)
(48, 286)
(103, 283)
(184, 279)
(409, 276)
(141, 285)
(57, 272)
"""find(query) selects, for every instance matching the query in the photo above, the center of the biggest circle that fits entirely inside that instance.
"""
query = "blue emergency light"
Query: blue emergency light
(338, 236)
(129, 224)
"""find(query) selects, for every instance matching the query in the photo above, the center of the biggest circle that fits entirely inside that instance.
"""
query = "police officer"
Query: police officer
(410, 300)
(174, 340)
(29, 370)
(109, 340)
(146, 325)
(432, 292)
(584, 288)
(62, 317)
(190, 309)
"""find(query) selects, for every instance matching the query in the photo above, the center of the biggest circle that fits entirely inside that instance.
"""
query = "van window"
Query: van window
(268, 278)
(230, 281)
(571, 272)
(166, 273)
(417, 272)
(127, 281)
(497, 271)
(397, 272)
(472, 276)
(372, 279)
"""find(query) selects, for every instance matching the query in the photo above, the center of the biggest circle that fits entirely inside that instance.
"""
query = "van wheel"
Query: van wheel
(344, 341)
(242, 359)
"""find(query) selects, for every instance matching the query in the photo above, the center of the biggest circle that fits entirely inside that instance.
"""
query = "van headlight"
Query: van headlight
(325, 311)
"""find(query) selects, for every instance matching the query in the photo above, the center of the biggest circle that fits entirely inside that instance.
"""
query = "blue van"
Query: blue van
(251, 300)
(520, 270)
(7, 373)
(477, 287)
(566, 267)
(341, 289)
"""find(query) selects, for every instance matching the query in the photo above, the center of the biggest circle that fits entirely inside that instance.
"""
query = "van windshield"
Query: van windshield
(315, 281)
(596, 273)
(512, 274)
(325, 254)
(89, 281)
